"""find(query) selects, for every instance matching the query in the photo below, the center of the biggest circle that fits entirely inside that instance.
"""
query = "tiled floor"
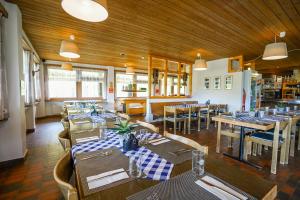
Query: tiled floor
(33, 179)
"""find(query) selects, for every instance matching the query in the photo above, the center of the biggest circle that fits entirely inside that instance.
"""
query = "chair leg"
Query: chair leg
(298, 131)
(218, 138)
(199, 123)
(292, 147)
(246, 150)
(259, 149)
(230, 141)
(175, 127)
(254, 150)
(184, 127)
(179, 126)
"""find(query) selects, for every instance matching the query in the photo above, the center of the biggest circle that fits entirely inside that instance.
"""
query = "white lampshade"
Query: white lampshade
(275, 51)
(200, 64)
(67, 66)
(69, 49)
(87, 10)
(130, 70)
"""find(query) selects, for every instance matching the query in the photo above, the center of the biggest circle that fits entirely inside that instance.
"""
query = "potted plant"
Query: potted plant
(124, 131)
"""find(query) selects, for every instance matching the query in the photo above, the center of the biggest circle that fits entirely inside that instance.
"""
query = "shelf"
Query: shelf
(134, 91)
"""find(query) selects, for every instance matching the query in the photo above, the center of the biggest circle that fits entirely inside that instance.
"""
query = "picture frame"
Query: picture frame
(235, 64)
(207, 83)
(217, 82)
(228, 82)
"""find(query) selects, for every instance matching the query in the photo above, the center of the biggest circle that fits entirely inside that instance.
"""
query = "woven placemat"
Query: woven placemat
(182, 187)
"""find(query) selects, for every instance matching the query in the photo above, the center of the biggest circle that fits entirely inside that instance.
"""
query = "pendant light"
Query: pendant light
(276, 50)
(69, 49)
(67, 66)
(129, 70)
(87, 10)
(200, 64)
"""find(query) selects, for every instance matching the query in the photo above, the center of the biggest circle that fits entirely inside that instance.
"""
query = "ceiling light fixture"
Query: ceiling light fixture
(200, 64)
(69, 49)
(87, 10)
(276, 50)
(129, 70)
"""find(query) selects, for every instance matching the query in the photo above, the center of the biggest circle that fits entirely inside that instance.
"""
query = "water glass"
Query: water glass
(274, 111)
(143, 139)
(102, 134)
(252, 114)
(295, 107)
(135, 166)
(261, 114)
(198, 163)
(287, 109)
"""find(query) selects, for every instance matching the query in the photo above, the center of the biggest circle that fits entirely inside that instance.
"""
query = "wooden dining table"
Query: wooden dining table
(246, 181)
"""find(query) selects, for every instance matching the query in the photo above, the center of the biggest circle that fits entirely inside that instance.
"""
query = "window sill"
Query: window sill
(73, 99)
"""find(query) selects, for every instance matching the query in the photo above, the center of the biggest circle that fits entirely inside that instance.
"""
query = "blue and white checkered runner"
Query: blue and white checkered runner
(95, 119)
(153, 166)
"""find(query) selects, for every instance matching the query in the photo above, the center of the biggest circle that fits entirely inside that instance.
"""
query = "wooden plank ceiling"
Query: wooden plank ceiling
(173, 28)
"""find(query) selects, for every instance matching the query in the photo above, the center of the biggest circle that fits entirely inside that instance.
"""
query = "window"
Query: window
(26, 71)
(62, 83)
(93, 84)
(79, 83)
(131, 85)
(122, 83)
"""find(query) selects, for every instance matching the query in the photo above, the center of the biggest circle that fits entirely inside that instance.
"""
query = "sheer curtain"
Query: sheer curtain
(3, 80)
(37, 84)
(26, 71)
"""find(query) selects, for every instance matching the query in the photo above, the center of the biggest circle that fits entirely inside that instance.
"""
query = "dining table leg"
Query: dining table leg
(241, 151)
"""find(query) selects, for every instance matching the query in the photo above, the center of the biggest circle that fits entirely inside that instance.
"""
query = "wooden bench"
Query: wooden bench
(157, 108)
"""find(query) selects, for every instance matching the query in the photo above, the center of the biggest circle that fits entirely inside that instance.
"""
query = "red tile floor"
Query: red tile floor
(33, 179)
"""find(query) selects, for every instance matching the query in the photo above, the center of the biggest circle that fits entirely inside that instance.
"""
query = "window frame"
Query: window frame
(134, 78)
(78, 85)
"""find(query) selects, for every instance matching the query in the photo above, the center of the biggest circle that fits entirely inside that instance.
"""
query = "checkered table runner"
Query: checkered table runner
(95, 119)
(266, 119)
(153, 166)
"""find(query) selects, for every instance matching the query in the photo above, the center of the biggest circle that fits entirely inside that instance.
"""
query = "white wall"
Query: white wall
(231, 97)
(12, 131)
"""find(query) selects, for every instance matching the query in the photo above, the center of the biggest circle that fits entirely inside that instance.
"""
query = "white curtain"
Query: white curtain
(37, 84)
(26, 71)
(3, 80)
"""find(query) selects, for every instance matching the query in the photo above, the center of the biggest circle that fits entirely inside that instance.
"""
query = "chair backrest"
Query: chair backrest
(62, 173)
(125, 116)
(149, 126)
(64, 140)
(187, 141)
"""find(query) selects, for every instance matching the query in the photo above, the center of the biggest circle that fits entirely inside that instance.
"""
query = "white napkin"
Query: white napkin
(156, 140)
(82, 122)
(222, 194)
(161, 142)
(86, 139)
(106, 178)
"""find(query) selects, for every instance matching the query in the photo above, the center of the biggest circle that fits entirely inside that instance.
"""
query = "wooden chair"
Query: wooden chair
(149, 126)
(204, 114)
(64, 140)
(175, 118)
(125, 116)
(65, 123)
(273, 140)
(62, 173)
(187, 141)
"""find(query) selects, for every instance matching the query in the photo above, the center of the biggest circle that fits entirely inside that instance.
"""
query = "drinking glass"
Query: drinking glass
(142, 136)
(274, 111)
(295, 107)
(287, 109)
(102, 134)
(135, 166)
(198, 163)
(261, 114)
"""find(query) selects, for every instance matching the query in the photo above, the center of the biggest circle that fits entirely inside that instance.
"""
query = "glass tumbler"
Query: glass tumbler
(135, 166)
(198, 163)
(102, 134)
